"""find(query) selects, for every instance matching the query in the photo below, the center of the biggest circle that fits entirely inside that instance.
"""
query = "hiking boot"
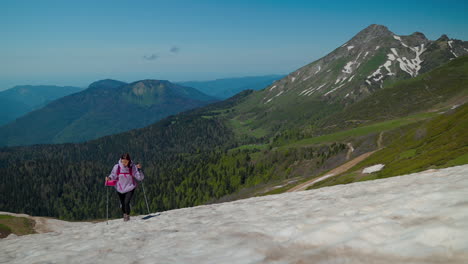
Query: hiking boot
(126, 217)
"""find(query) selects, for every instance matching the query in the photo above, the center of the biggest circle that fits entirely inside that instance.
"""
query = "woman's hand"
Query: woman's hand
(138, 166)
(107, 179)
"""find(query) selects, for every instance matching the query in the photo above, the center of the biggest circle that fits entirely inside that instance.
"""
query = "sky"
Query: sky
(78, 42)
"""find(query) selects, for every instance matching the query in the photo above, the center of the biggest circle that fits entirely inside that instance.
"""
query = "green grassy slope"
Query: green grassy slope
(300, 117)
(436, 143)
(16, 225)
(429, 90)
(404, 107)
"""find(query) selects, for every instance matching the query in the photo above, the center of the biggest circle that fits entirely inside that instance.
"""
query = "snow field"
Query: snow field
(417, 218)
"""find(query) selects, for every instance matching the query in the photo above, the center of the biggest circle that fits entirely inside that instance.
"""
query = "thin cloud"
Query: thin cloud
(175, 49)
(151, 57)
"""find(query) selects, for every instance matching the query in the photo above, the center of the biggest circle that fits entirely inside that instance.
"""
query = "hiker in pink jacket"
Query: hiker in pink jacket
(125, 172)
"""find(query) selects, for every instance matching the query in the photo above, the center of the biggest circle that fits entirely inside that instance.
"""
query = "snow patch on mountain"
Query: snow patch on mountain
(350, 47)
(411, 66)
(311, 90)
(319, 68)
(304, 91)
(331, 91)
(359, 55)
(374, 168)
(377, 72)
(347, 67)
(450, 43)
(401, 42)
(387, 65)
(378, 76)
(365, 55)
(451, 48)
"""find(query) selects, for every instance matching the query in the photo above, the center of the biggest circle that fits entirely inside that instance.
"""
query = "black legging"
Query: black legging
(125, 201)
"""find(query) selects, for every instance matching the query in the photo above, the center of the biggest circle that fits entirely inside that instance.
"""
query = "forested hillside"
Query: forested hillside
(107, 107)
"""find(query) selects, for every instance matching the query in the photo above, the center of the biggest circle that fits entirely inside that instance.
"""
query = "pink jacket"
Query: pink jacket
(126, 182)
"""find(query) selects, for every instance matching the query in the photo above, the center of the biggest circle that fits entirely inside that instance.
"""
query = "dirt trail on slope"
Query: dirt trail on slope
(379, 141)
(338, 170)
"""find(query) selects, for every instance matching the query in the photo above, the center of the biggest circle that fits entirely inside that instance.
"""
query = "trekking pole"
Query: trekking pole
(107, 205)
(144, 194)
(147, 207)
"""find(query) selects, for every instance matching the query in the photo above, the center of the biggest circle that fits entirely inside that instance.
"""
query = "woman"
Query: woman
(125, 172)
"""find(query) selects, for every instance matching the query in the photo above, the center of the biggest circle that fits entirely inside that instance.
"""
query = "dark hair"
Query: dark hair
(126, 156)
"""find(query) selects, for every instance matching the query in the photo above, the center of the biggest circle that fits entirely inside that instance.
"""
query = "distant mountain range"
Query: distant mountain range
(22, 99)
(105, 108)
(225, 88)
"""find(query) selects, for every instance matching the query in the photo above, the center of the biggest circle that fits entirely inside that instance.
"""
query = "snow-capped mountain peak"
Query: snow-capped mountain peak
(364, 64)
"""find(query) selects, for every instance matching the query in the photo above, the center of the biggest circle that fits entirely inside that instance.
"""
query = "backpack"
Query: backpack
(114, 182)
(129, 168)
